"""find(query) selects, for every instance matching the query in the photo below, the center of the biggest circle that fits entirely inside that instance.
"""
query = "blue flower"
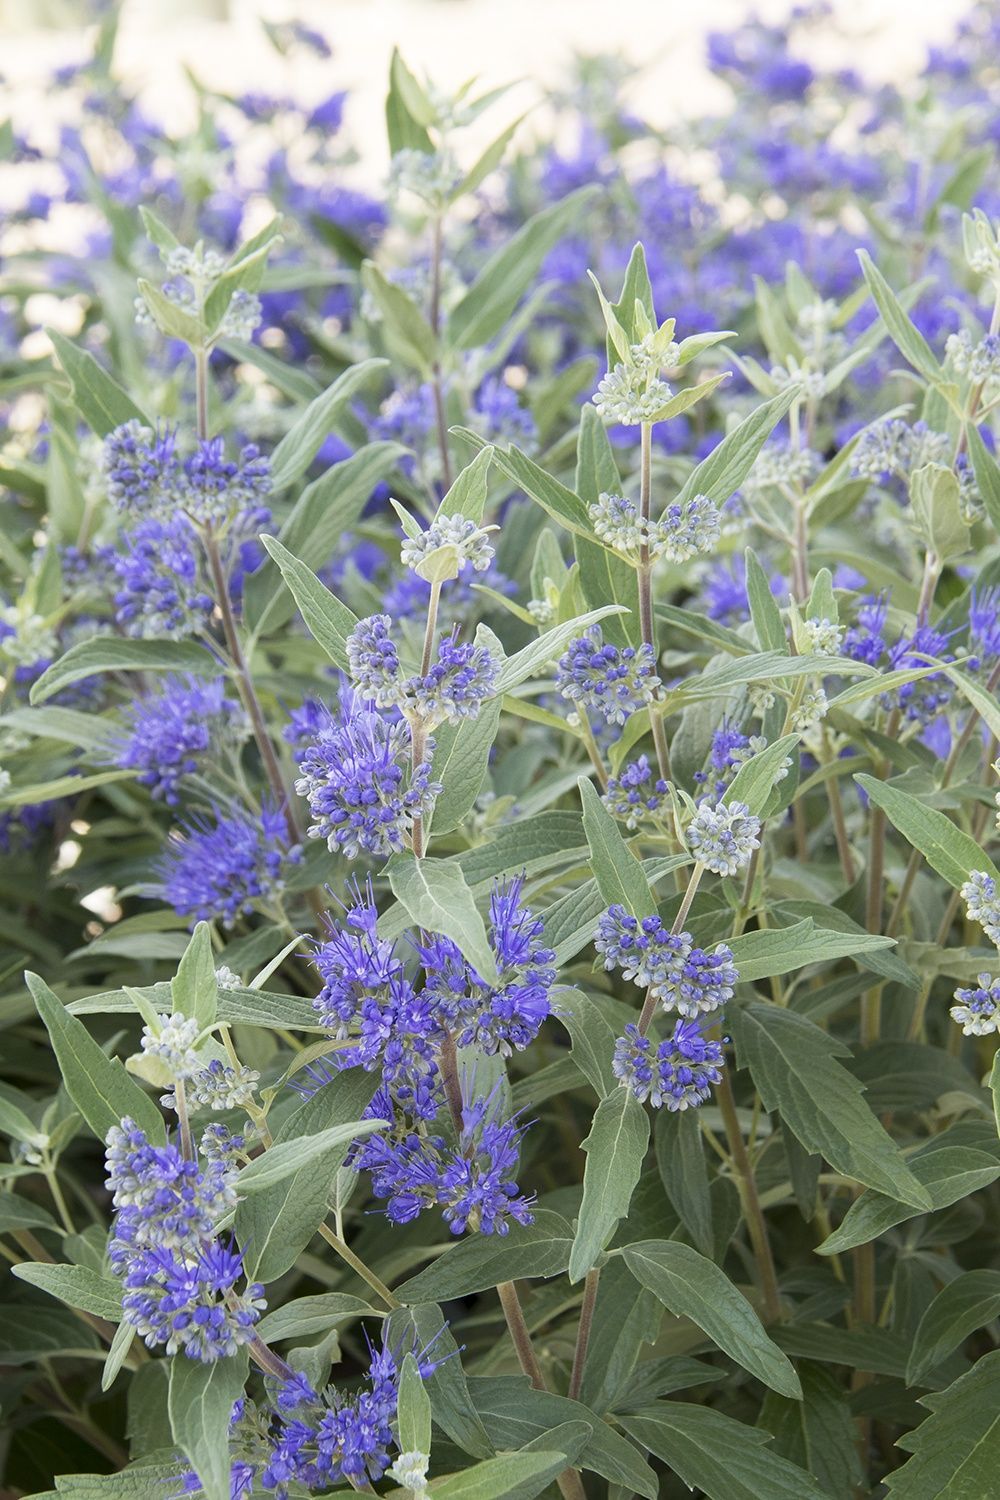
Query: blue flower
(457, 685)
(635, 793)
(982, 903)
(978, 1009)
(614, 681)
(678, 1075)
(683, 977)
(723, 837)
(221, 869)
(172, 729)
(362, 795)
(179, 1280)
(160, 591)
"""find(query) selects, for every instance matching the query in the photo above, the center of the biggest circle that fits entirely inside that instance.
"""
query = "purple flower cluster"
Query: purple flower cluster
(456, 686)
(172, 730)
(146, 477)
(220, 868)
(362, 796)
(613, 681)
(683, 977)
(179, 1279)
(636, 793)
(679, 1074)
(160, 590)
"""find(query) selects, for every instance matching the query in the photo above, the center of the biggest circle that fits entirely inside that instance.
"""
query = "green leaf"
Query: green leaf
(406, 331)
(818, 1433)
(780, 950)
(795, 1068)
(764, 611)
(905, 335)
(955, 1449)
(413, 1412)
(592, 1038)
(313, 532)
(245, 272)
(680, 1156)
(604, 577)
(424, 1326)
(937, 511)
(63, 786)
(460, 762)
(949, 851)
(969, 1302)
(194, 988)
(84, 731)
(20, 1213)
(407, 130)
(723, 1458)
(615, 1150)
(518, 1476)
(510, 272)
(618, 873)
(312, 1315)
(101, 402)
(302, 442)
(528, 1250)
(117, 1354)
(274, 1226)
(756, 778)
(987, 472)
(328, 620)
(720, 474)
(108, 653)
(173, 321)
(437, 898)
(467, 496)
(288, 1157)
(77, 1286)
(948, 1173)
(97, 1084)
(515, 1413)
(692, 1286)
(200, 1403)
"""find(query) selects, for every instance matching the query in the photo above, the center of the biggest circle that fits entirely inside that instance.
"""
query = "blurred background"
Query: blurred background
(663, 41)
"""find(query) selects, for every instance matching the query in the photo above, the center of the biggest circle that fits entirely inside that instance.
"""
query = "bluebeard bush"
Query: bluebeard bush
(499, 771)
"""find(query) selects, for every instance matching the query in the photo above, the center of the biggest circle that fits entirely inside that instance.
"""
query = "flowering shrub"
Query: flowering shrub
(497, 794)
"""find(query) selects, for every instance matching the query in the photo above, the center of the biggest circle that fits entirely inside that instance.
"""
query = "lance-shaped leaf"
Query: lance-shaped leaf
(288, 1157)
(435, 894)
(101, 402)
(615, 1149)
(329, 621)
(303, 440)
(969, 1302)
(692, 1286)
(200, 1401)
(949, 851)
(618, 873)
(905, 335)
(720, 474)
(527, 1250)
(108, 653)
(77, 1286)
(955, 1449)
(532, 658)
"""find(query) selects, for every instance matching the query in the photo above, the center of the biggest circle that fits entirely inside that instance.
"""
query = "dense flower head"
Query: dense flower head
(172, 730)
(146, 477)
(920, 701)
(472, 1182)
(614, 681)
(468, 546)
(179, 1280)
(978, 1008)
(160, 589)
(455, 687)
(679, 1074)
(683, 530)
(982, 903)
(683, 977)
(723, 837)
(362, 793)
(498, 1017)
(220, 868)
(892, 449)
(628, 394)
(984, 627)
(221, 1086)
(865, 640)
(636, 792)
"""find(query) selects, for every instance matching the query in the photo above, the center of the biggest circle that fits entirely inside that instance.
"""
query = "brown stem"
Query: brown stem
(752, 1211)
(520, 1337)
(448, 1064)
(265, 1359)
(437, 387)
(587, 1306)
(644, 578)
(800, 554)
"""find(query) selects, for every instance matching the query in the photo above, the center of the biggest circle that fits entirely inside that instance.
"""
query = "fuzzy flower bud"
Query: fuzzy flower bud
(978, 1009)
(723, 837)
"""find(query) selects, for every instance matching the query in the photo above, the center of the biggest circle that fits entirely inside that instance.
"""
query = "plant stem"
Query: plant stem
(871, 1003)
(587, 1306)
(592, 748)
(418, 735)
(357, 1264)
(644, 576)
(265, 1359)
(752, 1211)
(59, 1200)
(184, 1123)
(440, 420)
(800, 554)
(201, 391)
(650, 1002)
(520, 1337)
(448, 1064)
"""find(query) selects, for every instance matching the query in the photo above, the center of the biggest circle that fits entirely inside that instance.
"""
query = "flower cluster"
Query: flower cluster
(220, 868)
(635, 793)
(362, 796)
(978, 1009)
(453, 542)
(678, 1074)
(893, 449)
(683, 530)
(173, 730)
(145, 477)
(613, 681)
(723, 837)
(683, 977)
(179, 1279)
(456, 686)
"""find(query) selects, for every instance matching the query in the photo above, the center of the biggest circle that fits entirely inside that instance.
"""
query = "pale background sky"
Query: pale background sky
(499, 39)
